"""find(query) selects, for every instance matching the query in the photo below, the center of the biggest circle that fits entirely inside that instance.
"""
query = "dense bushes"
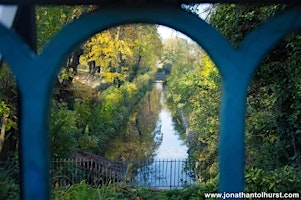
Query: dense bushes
(273, 140)
(284, 179)
(194, 96)
(94, 120)
(273, 106)
(119, 192)
(9, 186)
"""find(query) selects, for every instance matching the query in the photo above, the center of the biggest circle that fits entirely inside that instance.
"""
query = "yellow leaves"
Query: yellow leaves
(208, 67)
(124, 49)
(115, 96)
(206, 71)
(63, 16)
(108, 52)
(111, 77)
(131, 89)
(123, 52)
(83, 60)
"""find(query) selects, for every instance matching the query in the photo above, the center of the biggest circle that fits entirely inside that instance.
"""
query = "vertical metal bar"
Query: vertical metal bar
(80, 170)
(57, 167)
(231, 141)
(163, 167)
(75, 172)
(34, 148)
(156, 165)
(73, 165)
(161, 172)
(170, 173)
(175, 173)
(181, 181)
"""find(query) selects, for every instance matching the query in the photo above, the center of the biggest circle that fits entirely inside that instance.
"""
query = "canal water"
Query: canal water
(167, 169)
(171, 147)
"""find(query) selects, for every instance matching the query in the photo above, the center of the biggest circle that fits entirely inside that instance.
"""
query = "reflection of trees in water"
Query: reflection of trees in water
(158, 135)
(140, 136)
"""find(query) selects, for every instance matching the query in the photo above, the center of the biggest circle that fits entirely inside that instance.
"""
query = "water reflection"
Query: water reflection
(171, 147)
(167, 170)
(142, 133)
(152, 146)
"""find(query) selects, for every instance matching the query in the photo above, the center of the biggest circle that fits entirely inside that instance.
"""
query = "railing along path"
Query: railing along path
(155, 174)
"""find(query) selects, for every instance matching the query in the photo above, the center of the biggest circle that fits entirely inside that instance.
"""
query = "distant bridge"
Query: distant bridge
(160, 77)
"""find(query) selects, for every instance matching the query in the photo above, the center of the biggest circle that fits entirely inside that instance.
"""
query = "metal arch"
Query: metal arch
(12, 47)
(204, 34)
(234, 92)
(35, 89)
(34, 97)
(217, 47)
(259, 41)
(229, 61)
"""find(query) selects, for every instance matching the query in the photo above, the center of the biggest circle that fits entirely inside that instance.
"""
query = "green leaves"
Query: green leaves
(94, 120)
(120, 192)
(51, 19)
(273, 107)
(4, 109)
(284, 179)
(63, 130)
(194, 89)
(7, 114)
(234, 21)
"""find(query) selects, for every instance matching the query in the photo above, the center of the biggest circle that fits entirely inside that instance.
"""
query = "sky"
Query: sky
(167, 32)
(7, 14)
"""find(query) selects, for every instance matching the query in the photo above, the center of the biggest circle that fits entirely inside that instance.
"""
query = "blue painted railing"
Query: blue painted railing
(236, 67)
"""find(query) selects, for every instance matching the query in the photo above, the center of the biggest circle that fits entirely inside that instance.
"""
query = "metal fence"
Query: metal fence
(65, 172)
(156, 174)
(163, 174)
(159, 174)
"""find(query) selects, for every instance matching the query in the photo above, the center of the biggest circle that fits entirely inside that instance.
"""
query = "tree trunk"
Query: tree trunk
(2, 133)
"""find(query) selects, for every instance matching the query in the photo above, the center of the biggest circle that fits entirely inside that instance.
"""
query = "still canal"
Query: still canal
(152, 146)
(167, 170)
(171, 147)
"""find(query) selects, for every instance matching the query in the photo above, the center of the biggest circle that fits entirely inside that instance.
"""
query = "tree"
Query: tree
(273, 140)
(122, 53)
(8, 113)
(49, 21)
(194, 89)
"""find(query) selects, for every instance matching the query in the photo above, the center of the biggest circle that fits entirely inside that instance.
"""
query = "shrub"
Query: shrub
(284, 179)
(8, 184)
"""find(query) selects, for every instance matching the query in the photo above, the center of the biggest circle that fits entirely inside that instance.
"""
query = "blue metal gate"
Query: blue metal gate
(236, 67)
